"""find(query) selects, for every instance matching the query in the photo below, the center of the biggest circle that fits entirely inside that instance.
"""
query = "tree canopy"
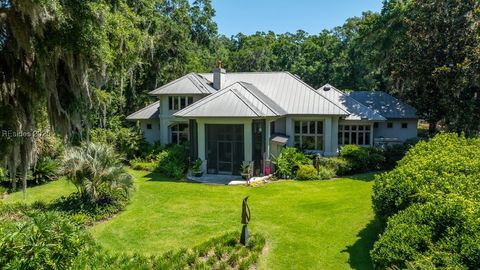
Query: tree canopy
(90, 63)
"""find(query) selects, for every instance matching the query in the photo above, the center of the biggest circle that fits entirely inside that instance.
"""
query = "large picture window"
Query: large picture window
(176, 103)
(179, 133)
(309, 135)
(354, 134)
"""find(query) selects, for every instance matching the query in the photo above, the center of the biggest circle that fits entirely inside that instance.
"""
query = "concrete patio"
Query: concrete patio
(218, 179)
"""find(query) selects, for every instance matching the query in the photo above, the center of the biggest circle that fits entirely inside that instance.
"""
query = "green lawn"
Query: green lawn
(44, 193)
(309, 225)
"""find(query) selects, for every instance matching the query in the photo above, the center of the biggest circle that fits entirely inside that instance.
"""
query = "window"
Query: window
(176, 103)
(389, 125)
(375, 125)
(149, 126)
(354, 134)
(404, 125)
(309, 135)
(179, 133)
(272, 127)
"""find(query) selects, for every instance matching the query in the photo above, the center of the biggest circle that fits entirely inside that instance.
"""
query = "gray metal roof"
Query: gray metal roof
(149, 112)
(237, 100)
(287, 91)
(357, 110)
(191, 83)
(384, 104)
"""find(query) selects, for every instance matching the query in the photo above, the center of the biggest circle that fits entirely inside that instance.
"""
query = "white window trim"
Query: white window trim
(178, 132)
(316, 135)
(357, 131)
(179, 102)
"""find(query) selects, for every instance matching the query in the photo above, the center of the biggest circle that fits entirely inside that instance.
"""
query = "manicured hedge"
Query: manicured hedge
(447, 164)
(430, 203)
(442, 233)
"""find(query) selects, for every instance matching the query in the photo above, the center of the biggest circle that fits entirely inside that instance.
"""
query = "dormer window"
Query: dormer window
(176, 103)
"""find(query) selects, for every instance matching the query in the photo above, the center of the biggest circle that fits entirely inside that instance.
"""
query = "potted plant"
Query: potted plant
(244, 170)
(197, 168)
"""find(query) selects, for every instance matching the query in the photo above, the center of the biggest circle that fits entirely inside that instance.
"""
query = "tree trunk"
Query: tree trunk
(432, 128)
(24, 184)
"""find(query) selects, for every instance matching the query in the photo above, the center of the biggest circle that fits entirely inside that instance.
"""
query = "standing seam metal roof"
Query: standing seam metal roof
(237, 100)
(191, 83)
(385, 104)
(149, 112)
(357, 110)
(291, 94)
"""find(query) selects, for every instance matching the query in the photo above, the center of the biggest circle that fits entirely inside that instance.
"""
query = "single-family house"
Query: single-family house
(229, 118)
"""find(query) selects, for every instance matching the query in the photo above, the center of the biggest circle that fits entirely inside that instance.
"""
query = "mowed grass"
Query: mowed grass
(44, 193)
(308, 225)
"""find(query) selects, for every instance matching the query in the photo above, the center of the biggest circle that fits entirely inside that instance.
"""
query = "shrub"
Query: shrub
(223, 252)
(363, 159)
(49, 145)
(86, 210)
(307, 172)
(339, 165)
(127, 141)
(357, 155)
(442, 233)
(41, 240)
(446, 164)
(430, 201)
(173, 161)
(288, 162)
(143, 165)
(325, 173)
(393, 154)
(3, 176)
(45, 170)
(3, 190)
(95, 169)
(150, 152)
(34, 237)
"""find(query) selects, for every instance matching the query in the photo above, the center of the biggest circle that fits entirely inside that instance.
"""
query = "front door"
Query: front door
(224, 148)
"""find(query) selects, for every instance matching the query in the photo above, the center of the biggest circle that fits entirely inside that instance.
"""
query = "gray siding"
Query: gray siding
(151, 135)
(396, 131)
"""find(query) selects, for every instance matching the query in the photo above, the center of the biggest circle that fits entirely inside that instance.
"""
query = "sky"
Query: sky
(280, 16)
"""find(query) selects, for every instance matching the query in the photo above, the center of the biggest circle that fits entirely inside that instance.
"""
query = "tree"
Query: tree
(52, 54)
(430, 59)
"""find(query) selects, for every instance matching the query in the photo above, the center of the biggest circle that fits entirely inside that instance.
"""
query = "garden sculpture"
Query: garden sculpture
(245, 221)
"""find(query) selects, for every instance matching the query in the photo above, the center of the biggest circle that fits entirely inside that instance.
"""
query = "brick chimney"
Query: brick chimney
(219, 76)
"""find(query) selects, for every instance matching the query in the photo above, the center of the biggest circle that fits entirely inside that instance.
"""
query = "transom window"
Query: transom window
(179, 133)
(309, 135)
(176, 103)
(354, 134)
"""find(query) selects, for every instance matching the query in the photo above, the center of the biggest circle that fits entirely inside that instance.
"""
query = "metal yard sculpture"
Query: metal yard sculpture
(245, 221)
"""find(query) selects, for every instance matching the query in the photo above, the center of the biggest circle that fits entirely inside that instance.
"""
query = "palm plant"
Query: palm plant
(95, 168)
